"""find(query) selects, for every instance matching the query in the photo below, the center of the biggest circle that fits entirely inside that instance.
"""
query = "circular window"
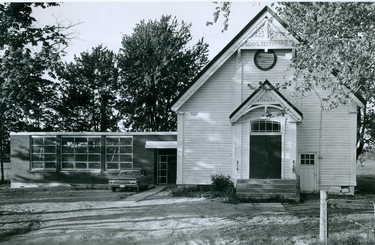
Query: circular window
(265, 60)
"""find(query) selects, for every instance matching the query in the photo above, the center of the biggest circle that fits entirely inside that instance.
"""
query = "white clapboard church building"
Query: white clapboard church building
(235, 120)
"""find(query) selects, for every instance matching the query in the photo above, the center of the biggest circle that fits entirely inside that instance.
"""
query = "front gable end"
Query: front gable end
(266, 96)
(265, 31)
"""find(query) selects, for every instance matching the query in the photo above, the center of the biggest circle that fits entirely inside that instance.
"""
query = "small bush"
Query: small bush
(221, 187)
(222, 183)
(191, 191)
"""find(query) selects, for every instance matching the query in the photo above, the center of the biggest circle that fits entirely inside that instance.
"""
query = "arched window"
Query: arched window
(265, 126)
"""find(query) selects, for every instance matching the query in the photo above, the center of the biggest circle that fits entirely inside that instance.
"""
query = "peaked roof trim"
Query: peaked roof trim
(241, 110)
(218, 60)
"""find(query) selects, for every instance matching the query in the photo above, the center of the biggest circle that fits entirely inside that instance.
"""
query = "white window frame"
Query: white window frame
(127, 164)
(42, 154)
(76, 153)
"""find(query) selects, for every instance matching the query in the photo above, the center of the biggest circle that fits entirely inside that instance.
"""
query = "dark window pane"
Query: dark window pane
(81, 141)
(255, 127)
(163, 180)
(126, 149)
(94, 158)
(112, 149)
(111, 141)
(50, 149)
(124, 165)
(50, 157)
(81, 158)
(112, 165)
(37, 165)
(126, 158)
(81, 165)
(94, 149)
(37, 141)
(262, 126)
(68, 141)
(112, 158)
(81, 149)
(37, 157)
(67, 149)
(94, 141)
(269, 126)
(94, 165)
(67, 158)
(67, 165)
(38, 149)
(50, 141)
(126, 141)
(50, 164)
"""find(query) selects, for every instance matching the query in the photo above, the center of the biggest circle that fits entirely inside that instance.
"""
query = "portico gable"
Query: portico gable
(265, 135)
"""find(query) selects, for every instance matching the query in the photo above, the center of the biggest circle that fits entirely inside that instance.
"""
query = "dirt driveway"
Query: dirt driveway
(65, 216)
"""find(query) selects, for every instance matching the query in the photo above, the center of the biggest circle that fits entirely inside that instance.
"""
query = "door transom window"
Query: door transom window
(265, 126)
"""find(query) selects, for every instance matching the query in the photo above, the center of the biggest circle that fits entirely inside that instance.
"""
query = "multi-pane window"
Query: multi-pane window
(119, 152)
(80, 153)
(43, 152)
(307, 159)
(265, 126)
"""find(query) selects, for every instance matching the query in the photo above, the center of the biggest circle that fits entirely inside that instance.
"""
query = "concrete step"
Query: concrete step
(268, 189)
(267, 181)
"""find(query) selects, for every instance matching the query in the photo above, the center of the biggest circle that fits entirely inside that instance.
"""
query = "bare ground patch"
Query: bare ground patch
(105, 217)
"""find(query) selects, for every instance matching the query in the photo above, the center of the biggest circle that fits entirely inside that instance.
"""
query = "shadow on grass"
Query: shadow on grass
(365, 184)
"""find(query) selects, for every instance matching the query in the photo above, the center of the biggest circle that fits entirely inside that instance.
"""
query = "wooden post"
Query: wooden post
(323, 233)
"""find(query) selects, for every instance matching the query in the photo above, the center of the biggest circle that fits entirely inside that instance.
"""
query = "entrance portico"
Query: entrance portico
(265, 135)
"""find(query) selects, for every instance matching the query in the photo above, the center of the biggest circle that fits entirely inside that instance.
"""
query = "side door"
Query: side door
(308, 172)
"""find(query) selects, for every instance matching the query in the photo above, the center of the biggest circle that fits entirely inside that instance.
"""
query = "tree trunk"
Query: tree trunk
(361, 132)
(2, 160)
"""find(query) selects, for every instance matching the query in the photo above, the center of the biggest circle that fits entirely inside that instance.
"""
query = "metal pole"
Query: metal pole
(323, 234)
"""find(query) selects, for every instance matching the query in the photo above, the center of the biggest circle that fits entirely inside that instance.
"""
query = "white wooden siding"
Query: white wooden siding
(207, 132)
(207, 135)
(252, 75)
(336, 150)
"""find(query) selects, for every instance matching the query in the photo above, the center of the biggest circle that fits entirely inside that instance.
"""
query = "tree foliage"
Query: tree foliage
(222, 8)
(156, 63)
(336, 52)
(89, 92)
(27, 55)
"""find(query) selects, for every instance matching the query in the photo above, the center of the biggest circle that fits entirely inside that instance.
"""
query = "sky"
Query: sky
(106, 22)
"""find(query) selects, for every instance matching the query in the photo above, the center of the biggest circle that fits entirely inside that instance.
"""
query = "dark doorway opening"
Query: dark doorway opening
(265, 156)
(166, 166)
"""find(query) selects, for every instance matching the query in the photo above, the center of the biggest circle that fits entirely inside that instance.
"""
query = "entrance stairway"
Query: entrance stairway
(268, 189)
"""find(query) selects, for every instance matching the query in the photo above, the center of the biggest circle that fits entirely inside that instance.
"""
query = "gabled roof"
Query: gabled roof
(223, 55)
(267, 95)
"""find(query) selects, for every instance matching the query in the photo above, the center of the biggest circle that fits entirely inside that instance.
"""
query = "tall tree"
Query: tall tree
(156, 63)
(27, 54)
(89, 92)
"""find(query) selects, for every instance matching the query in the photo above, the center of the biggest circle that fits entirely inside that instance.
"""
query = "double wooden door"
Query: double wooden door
(265, 156)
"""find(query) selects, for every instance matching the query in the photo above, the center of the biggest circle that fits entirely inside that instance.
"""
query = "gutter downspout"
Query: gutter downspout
(320, 134)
